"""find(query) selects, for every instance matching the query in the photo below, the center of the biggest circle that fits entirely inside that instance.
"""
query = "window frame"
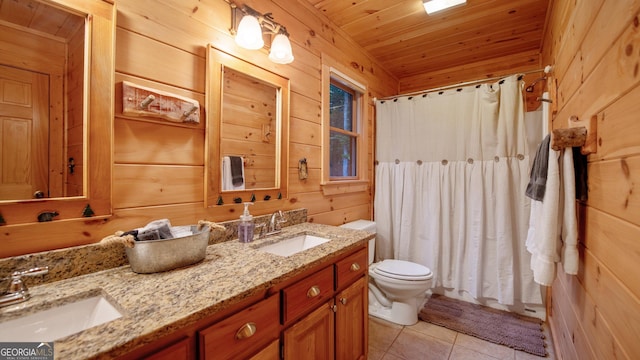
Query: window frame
(355, 125)
(334, 72)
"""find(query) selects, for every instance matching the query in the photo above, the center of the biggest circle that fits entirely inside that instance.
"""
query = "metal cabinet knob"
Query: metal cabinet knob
(355, 267)
(343, 301)
(313, 291)
(246, 331)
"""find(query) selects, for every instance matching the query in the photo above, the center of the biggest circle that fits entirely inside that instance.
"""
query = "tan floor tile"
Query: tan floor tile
(462, 353)
(412, 345)
(485, 347)
(375, 353)
(389, 356)
(436, 331)
(382, 333)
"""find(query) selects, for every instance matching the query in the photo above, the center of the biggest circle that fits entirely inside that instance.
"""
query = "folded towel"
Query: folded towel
(236, 170)
(538, 178)
(227, 183)
(155, 230)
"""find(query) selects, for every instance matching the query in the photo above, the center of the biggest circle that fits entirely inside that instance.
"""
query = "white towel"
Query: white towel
(227, 180)
(553, 231)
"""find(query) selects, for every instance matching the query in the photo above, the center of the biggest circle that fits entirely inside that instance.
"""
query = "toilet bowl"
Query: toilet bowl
(397, 288)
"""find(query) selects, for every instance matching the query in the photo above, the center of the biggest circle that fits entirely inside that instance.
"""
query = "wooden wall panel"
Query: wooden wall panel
(596, 314)
(151, 143)
(158, 166)
(152, 185)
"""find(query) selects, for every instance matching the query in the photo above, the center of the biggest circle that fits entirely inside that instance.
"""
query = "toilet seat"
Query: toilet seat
(402, 270)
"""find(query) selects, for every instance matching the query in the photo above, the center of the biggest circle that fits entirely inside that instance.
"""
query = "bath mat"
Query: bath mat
(501, 327)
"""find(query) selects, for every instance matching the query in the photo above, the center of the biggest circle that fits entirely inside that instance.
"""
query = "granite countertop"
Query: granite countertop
(155, 305)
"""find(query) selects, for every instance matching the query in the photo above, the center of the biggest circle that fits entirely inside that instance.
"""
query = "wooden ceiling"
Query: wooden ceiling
(40, 18)
(408, 42)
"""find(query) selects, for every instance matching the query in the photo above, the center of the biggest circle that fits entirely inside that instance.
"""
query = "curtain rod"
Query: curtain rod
(473, 82)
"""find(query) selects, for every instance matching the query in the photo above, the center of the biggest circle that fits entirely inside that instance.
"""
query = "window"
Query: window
(345, 151)
(343, 130)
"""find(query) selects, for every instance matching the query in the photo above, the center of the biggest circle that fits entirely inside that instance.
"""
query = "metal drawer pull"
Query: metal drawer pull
(343, 301)
(313, 291)
(355, 267)
(246, 331)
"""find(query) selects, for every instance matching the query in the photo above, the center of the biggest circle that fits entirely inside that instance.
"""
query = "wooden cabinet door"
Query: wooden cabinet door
(178, 351)
(352, 321)
(242, 334)
(312, 337)
(270, 352)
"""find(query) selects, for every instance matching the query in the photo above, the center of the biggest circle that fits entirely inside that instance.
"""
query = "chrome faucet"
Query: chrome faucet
(18, 291)
(276, 225)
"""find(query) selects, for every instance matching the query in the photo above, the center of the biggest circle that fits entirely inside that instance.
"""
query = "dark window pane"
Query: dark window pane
(341, 108)
(342, 161)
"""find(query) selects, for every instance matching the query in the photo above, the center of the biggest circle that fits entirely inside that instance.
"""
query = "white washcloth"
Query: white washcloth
(553, 231)
(227, 179)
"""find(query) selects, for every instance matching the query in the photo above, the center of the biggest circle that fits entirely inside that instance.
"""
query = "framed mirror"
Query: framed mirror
(247, 131)
(56, 109)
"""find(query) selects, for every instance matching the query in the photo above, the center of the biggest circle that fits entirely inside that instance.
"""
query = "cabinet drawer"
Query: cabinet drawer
(242, 334)
(307, 294)
(351, 268)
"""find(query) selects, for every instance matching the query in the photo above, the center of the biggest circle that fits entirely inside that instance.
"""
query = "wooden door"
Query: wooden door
(352, 321)
(24, 133)
(312, 337)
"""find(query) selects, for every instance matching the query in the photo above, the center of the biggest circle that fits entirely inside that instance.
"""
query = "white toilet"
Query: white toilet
(397, 288)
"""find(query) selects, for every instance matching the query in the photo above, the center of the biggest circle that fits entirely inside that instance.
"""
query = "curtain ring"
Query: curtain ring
(470, 160)
(419, 162)
(444, 162)
(397, 161)
(496, 159)
(520, 157)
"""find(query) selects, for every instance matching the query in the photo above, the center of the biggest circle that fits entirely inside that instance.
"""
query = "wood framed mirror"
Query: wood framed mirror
(247, 131)
(64, 165)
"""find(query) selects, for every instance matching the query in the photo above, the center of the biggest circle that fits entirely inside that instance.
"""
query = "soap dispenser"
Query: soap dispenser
(246, 225)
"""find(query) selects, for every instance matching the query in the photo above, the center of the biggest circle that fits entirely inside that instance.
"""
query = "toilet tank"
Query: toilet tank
(366, 225)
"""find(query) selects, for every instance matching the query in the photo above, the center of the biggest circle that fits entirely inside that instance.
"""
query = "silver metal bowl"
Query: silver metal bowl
(152, 256)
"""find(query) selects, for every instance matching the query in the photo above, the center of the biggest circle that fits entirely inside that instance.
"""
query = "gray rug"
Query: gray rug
(501, 327)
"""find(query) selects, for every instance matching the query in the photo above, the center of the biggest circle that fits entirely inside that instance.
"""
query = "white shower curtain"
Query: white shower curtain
(452, 170)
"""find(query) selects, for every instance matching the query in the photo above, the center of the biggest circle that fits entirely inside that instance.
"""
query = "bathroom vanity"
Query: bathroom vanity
(240, 302)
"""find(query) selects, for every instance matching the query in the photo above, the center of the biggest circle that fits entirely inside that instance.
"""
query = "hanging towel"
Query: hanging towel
(237, 177)
(227, 177)
(553, 231)
(580, 164)
(538, 177)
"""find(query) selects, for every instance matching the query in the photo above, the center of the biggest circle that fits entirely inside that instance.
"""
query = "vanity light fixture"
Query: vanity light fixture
(250, 29)
(432, 6)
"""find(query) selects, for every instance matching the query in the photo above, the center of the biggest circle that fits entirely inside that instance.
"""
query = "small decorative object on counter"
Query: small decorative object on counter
(158, 246)
(246, 225)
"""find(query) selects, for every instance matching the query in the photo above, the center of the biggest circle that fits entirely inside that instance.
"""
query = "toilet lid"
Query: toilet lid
(403, 270)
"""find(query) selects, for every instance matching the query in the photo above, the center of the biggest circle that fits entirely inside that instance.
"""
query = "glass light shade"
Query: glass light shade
(281, 50)
(249, 34)
(432, 6)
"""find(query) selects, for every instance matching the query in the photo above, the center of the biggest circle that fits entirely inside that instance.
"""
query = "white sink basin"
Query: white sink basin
(58, 322)
(290, 246)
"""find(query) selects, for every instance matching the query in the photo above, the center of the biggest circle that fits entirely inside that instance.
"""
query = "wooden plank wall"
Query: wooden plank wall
(74, 121)
(595, 48)
(162, 44)
(158, 168)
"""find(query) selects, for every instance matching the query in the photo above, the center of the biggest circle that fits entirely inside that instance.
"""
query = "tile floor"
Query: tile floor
(388, 341)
